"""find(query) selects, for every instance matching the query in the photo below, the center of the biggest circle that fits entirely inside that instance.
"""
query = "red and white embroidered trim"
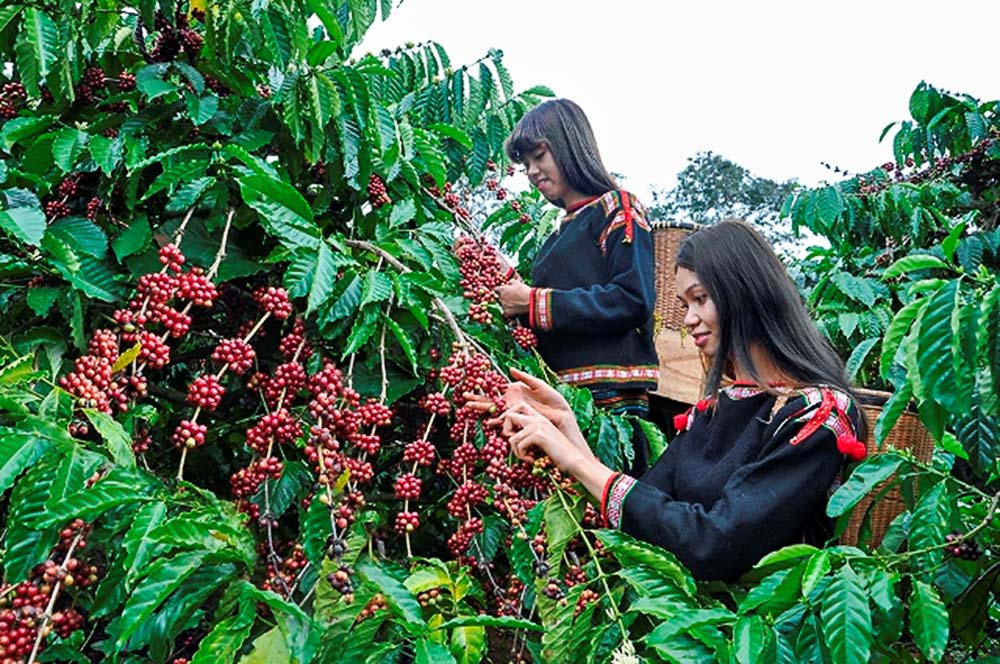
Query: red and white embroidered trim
(616, 499)
(609, 373)
(542, 309)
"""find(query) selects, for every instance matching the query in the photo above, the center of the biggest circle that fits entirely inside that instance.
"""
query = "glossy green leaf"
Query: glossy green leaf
(891, 412)
(898, 329)
(118, 441)
(928, 621)
(750, 638)
(37, 48)
(862, 481)
(912, 263)
(930, 522)
(25, 224)
(285, 213)
(935, 354)
(18, 451)
(431, 652)
(847, 622)
(324, 275)
(395, 593)
(858, 356)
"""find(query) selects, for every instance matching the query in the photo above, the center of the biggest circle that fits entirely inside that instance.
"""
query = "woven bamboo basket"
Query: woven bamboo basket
(908, 433)
(667, 237)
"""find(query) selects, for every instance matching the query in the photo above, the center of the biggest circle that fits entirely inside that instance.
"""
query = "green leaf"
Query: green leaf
(829, 205)
(863, 479)
(323, 278)
(928, 621)
(377, 288)
(42, 298)
(775, 594)
(930, 521)
(897, 329)
(430, 652)
(404, 342)
(225, 641)
(67, 146)
(138, 549)
(817, 568)
(562, 514)
(453, 133)
(133, 239)
(120, 487)
(395, 592)
(25, 544)
(37, 49)
(82, 235)
(855, 288)
(858, 356)
(18, 451)
(163, 577)
(750, 638)
(912, 263)
(106, 152)
(119, 442)
(847, 621)
(631, 552)
(402, 212)
(149, 81)
(285, 213)
(25, 224)
(201, 109)
(935, 354)
(268, 648)
(891, 412)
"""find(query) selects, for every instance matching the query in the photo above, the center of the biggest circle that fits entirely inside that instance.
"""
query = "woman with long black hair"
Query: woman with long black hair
(591, 298)
(755, 461)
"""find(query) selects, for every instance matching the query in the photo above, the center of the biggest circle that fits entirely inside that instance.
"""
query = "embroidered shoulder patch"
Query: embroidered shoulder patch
(827, 407)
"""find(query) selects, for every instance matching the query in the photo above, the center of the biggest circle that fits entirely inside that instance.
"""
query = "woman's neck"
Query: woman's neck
(574, 198)
(767, 371)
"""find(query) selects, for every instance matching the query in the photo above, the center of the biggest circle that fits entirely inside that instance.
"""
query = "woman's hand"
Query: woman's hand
(538, 394)
(514, 296)
(531, 432)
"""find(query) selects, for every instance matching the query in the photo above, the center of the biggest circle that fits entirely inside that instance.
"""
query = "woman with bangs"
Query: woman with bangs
(591, 297)
(755, 461)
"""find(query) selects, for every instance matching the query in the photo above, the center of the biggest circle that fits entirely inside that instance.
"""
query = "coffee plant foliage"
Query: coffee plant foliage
(245, 291)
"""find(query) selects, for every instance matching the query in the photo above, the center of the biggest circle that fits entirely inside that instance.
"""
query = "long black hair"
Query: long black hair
(562, 126)
(758, 305)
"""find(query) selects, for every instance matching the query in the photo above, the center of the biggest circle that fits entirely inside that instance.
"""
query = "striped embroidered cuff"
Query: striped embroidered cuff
(604, 497)
(616, 500)
(531, 307)
(541, 299)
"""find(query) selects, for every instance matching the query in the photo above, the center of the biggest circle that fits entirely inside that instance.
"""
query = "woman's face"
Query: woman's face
(544, 174)
(701, 319)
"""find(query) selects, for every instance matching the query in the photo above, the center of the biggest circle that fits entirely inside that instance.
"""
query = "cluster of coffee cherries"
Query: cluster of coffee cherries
(283, 574)
(966, 549)
(524, 337)
(171, 39)
(375, 604)
(148, 319)
(23, 606)
(493, 182)
(898, 173)
(377, 193)
(12, 95)
(482, 271)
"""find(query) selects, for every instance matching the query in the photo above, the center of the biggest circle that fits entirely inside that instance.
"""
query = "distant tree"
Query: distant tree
(712, 188)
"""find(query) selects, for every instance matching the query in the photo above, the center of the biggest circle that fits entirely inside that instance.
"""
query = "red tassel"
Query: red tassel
(627, 210)
(681, 421)
(853, 448)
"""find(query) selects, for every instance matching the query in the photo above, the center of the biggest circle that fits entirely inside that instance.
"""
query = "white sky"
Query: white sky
(777, 86)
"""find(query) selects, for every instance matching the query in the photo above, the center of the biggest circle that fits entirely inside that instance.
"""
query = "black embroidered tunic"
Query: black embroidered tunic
(741, 481)
(591, 306)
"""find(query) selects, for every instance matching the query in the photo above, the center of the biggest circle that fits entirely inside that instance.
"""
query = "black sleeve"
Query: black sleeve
(763, 505)
(623, 302)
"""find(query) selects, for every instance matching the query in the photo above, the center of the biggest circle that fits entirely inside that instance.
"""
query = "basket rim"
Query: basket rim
(673, 224)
